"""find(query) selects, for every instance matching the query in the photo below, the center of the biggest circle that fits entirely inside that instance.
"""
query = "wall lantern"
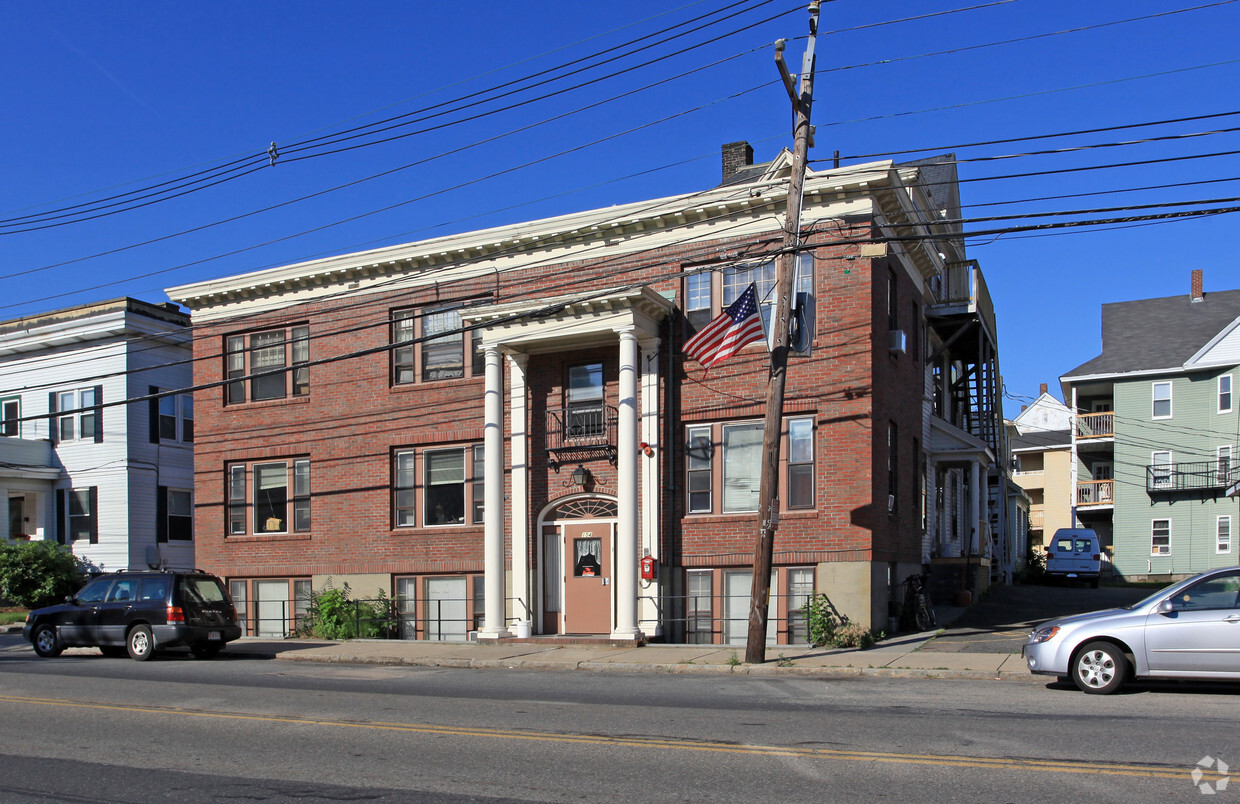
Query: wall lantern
(581, 475)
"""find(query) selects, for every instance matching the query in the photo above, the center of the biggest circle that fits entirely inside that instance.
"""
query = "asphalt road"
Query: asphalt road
(88, 728)
(1001, 621)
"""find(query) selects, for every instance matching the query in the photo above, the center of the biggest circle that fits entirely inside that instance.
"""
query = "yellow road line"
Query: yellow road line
(663, 743)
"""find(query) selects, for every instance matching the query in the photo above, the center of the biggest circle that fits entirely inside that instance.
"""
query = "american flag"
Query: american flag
(729, 331)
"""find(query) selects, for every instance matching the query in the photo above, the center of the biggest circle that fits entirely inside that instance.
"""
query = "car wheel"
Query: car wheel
(201, 651)
(1100, 668)
(45, 641)
(112, 651)
(140, 644)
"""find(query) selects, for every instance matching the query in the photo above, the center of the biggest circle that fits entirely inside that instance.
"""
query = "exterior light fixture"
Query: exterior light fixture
(581, 475)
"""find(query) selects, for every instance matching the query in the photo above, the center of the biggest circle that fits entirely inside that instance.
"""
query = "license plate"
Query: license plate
(213, 635)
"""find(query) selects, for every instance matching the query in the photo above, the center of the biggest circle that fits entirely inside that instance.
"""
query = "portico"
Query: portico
(546, 581)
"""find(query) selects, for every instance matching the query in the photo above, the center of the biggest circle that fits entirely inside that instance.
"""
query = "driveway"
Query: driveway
(1002, 619)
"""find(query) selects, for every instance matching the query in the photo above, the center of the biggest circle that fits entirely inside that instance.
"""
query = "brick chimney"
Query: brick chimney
(1197, 294)
(736, 155)
(1042, 388)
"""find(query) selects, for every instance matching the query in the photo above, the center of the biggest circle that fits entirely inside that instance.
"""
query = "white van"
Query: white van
(1074, 553)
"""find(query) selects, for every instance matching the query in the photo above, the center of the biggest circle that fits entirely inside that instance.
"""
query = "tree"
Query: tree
(38, 573)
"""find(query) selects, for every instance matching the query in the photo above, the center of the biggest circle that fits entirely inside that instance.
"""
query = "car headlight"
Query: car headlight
(1043, 634)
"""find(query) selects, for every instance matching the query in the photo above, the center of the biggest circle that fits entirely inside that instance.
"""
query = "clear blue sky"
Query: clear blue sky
(101, 99)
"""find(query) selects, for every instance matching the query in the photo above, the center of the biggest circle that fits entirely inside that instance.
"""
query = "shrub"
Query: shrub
(38, 573)
(828, 628)
(333, 614)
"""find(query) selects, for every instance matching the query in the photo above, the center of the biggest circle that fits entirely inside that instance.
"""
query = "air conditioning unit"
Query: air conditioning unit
(897, 341)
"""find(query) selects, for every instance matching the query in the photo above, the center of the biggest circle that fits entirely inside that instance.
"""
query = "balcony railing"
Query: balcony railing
(1095, 492)
(1200, 475)
(580, 433)
(1095, 425)
(963, 285)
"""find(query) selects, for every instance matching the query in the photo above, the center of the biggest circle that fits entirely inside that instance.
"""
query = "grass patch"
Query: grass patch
(9, 617)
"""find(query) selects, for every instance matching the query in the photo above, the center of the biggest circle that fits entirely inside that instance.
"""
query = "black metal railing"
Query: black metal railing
(581, 432)
(1198, 475)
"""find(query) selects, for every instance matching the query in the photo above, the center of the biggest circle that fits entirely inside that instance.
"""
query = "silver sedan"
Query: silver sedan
(1190, 630)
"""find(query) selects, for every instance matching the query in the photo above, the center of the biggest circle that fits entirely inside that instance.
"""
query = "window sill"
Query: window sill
(403, 387)
(784, 516)
(267, 537)
(421, 530)
(267, 403)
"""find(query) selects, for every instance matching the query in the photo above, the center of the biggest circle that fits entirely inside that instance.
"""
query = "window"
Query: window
(77, 515)
(893, 301)
(583, 398)
(1162, 400)
(699, 456)
(452, 490)
(430, 344)
(801, 463)
(893, 462)
(1160, 469)
(699, 613)
(175, 515)
(703, 289)
(742, 466)
(77, 415)
(260, 356)
(1223, 530)
(271, 500)
(1218, 592)
(10, 416)
(698, 309)
(1160, 537)
(723, 466)
(172, 417)
(800, 590)
(1224, 393)
(1224, 465)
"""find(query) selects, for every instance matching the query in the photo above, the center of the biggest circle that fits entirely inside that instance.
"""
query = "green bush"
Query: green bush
(826, 628)
(38, 573)
(333, 614)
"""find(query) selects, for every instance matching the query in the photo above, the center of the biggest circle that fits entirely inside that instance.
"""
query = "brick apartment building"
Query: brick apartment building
(494, 428)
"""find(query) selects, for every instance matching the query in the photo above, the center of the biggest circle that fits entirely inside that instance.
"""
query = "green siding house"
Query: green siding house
(1156, 434)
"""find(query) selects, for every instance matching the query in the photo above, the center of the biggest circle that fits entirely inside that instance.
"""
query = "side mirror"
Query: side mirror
(70, 601)
(1166, 607)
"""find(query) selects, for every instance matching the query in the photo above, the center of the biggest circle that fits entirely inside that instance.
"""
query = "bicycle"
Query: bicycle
(917, 610)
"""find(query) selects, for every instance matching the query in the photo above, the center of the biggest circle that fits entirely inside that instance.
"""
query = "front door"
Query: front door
(587, 578)
(17, 517)
(273, 613)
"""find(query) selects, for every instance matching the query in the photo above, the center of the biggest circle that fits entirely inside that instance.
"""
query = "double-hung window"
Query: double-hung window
(278, 494)
(172, 417)
(1224, 393)
(77, 514)
(429, 345)
(77, 415)
(1160, 469)
(10, 416)
(451, 491)
(1162, 400)
(1223, 532)
(723, 466)
(584, 401)
(708, 293)
(274, 362)
(175, 515)
(1160, 537)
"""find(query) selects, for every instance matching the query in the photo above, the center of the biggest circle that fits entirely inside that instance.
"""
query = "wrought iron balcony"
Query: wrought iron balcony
(581, 432)
(1200, 475)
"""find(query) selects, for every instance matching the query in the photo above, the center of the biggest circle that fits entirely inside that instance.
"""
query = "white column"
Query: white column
(493, 519)
(520, 517)
(651, 491)
(625, 559)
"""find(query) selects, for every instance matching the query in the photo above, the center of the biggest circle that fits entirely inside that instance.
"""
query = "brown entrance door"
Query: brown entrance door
(587, 578)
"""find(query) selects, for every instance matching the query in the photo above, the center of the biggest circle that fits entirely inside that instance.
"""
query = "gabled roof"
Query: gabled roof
(1039, 440)
(1163, 334)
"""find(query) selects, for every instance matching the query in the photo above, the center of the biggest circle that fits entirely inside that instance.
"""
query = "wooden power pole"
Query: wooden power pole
(768, 498)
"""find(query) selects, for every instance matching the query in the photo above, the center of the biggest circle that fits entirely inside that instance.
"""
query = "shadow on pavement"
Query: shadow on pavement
(1002, 619)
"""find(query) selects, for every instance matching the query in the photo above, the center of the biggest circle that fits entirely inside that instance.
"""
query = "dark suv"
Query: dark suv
(139, 613)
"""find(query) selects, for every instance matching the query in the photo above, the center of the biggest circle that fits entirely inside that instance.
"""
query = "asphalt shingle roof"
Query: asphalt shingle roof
(1161, 333)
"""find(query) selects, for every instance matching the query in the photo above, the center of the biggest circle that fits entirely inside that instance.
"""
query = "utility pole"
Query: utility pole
(768, 498)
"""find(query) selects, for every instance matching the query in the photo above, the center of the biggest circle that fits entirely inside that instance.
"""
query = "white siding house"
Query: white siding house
(80, 463)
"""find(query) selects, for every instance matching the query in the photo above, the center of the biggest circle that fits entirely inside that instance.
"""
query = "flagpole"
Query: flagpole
(768, 499)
